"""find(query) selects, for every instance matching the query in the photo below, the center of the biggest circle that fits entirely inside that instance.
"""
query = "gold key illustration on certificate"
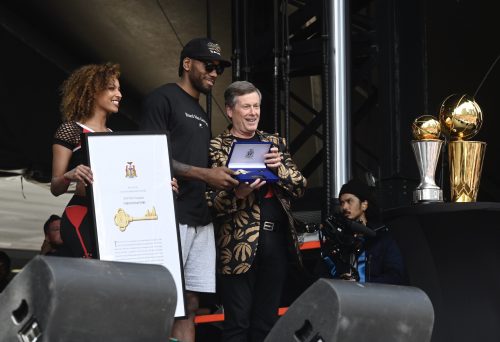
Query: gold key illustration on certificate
(122, 219)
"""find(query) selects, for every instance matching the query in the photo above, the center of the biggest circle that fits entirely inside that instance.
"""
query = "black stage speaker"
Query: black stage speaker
(65, 299)
(339, 310)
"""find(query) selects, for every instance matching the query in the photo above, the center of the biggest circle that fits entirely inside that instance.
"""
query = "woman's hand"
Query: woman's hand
(175, 185)
(81, 173)
(244, 189)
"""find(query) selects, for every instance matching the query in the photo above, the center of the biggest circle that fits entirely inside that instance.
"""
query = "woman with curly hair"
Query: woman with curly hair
(89, 96)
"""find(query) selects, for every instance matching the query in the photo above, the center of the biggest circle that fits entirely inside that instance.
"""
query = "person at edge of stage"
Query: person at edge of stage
(379, 259)
(175, 107)
(255, 230)
(52, 244)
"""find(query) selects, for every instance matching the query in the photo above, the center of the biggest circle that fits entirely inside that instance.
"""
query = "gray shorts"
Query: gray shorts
(198, 256)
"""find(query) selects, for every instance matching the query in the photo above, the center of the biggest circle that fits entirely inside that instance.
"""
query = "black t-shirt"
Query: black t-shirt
(171, 109)
(270, 207)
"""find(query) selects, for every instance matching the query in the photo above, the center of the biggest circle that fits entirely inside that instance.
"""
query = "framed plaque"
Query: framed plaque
(246, 158)
(133, 202)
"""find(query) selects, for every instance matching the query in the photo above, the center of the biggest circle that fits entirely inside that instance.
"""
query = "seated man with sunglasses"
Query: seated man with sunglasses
(175, 107)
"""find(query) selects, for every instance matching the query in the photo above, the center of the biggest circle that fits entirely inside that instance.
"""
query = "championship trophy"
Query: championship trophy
(426, 147)
(461, 119)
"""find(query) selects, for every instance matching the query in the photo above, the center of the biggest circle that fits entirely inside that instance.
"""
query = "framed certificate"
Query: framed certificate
(133, 202)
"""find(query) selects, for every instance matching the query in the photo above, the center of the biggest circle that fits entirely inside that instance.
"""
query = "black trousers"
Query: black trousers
(251, 300)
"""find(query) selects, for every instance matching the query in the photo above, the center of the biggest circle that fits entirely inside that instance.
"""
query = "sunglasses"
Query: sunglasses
(209, 67)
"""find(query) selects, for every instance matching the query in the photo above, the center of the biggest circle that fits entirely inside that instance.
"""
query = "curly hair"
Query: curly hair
(80, 89)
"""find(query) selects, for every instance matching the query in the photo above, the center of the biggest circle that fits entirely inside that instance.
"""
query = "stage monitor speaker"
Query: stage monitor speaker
(339, 310)
(66, 299)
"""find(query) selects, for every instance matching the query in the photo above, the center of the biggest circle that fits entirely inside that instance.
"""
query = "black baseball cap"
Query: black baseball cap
(204, 49)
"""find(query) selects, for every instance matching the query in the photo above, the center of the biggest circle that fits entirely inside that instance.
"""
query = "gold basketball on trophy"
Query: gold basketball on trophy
(426, 146)
(426, 127)
(460, 116)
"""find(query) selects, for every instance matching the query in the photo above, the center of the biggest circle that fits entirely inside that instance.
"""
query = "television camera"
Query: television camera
(342, 241)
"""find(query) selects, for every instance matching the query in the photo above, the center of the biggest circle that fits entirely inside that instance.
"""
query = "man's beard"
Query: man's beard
(198, 85)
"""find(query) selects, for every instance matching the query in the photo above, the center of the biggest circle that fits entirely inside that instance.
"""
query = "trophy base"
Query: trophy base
(427, 195)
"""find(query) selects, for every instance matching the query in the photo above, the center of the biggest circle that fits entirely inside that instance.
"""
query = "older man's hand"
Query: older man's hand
(273, 158)
(244, 189)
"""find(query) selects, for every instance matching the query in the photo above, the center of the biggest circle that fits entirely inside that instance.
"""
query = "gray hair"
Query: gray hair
(239, 88)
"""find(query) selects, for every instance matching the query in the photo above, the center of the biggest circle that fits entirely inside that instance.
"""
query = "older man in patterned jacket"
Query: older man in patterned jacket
(254, 227)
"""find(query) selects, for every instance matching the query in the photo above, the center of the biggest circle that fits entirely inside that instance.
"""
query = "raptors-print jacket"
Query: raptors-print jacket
(237, 221)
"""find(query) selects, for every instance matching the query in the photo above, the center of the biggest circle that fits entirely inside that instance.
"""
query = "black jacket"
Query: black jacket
(384, 263)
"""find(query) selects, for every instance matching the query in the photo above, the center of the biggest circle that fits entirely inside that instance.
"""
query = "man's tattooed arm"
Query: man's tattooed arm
(217, 178)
